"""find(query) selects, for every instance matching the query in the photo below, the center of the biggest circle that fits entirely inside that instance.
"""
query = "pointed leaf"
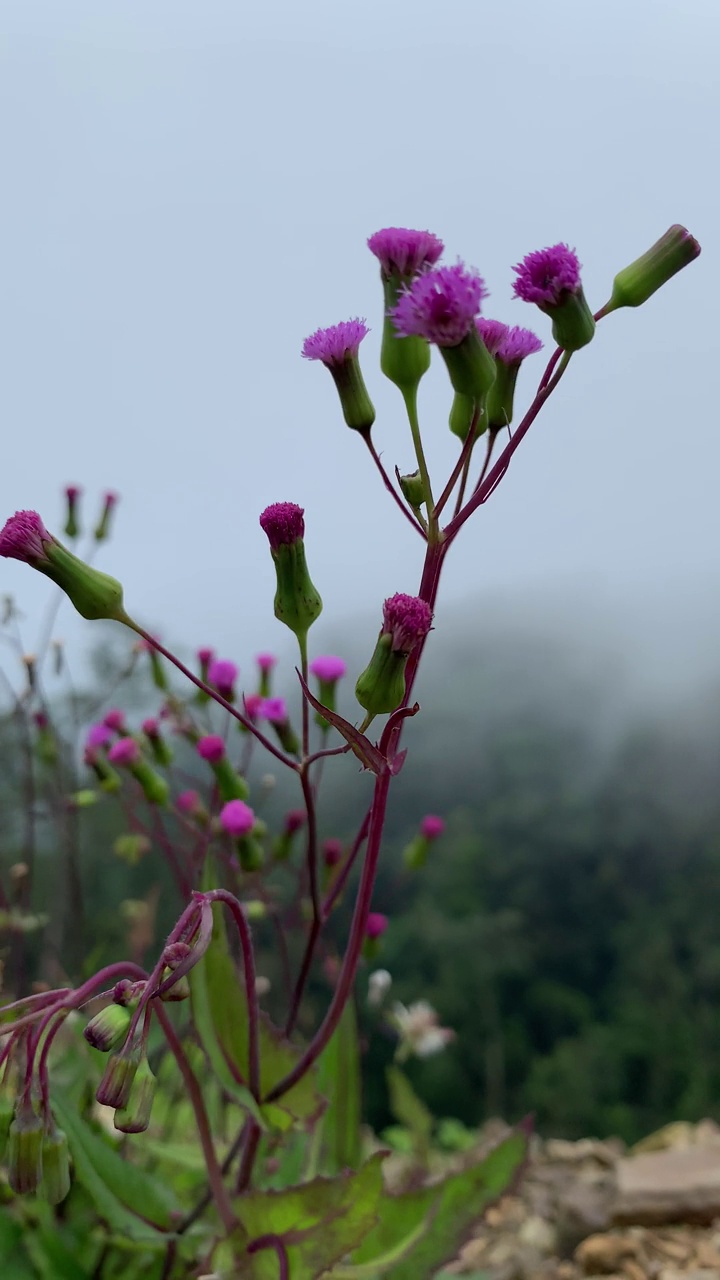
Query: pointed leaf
(339, 1081)
(318, 1223)
(367, 754)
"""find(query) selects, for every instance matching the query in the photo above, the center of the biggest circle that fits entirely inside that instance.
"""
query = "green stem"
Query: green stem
(410, 397)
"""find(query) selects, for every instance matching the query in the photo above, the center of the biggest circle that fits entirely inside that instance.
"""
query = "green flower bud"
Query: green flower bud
(412, 489)
(108, 1028)
(102, 529)
(114, 1088)
(572, 322)
(638, 282)
(180, 990)
(462, 412)
(24, 1154)
(297, 603)
(470, 366)
(250, 853)
(94, 594)
(155, 789)
(134, 1116)
(403, 360)
(231, 784)
(337, 348)
(406, 623)
(415, 853)
(55, 1166)
(72, 493)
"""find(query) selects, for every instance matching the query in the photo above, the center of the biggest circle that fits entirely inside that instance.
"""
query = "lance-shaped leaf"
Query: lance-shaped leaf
(362, 747)
(339, 1136)
(318, 1223)
(451, 1209)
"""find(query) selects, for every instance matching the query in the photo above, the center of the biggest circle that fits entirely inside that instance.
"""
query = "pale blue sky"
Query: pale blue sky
(187, 192)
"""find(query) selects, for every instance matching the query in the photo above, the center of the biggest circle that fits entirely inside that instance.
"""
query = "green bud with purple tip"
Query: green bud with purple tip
(638, 282)
(55, 1183)
(24, 1149)
(297, 603)
(551, 279)
(337, 348)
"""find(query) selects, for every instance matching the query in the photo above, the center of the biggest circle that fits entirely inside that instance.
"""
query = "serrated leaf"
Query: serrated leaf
(220, 1015)
(318, 1223)
(126, 1197)
(451, 1208)
(339, 1138)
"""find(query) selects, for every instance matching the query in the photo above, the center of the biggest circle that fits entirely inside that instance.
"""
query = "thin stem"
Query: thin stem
(410, 397)
(302, 645)
(342, 876)
(276, 1243)
(194, 1092)
(391, 488)
(213, 693)
(465, 452)
(463, 484)
(230, 901)
(317, 917)
(247, 1161)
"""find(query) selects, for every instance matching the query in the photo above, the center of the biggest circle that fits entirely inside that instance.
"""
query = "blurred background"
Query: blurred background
(188, 193)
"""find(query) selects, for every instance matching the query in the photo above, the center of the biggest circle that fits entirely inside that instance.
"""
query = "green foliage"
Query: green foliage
(338, 1131)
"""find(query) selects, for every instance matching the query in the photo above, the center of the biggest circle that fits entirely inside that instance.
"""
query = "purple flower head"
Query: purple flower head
(274, 710)
(222, 674)
(440, 305)
(517, 344)
(211, 748)
(72, 492)
(41, 719)
(337, 344)
(151, 727)
(403, 252)
(376, 925)
(492, 332)
(205, 656)
(98, 735)
(253, 705)
(110, 498)
(547, 275)
(23, 538)
(188, 801)
(431, 826)
(124, 752)
(283, 523)
(266, 661)
(115, 719)
(407, 619)
(294, 820)
(237, 818)
(328, 668)
(332, 852)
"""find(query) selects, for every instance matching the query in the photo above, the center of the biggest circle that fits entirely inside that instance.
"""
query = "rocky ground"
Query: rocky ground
(593, 1209)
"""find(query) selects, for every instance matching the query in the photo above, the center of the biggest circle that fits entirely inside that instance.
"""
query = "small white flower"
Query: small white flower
(379, 984)
(419, 1031)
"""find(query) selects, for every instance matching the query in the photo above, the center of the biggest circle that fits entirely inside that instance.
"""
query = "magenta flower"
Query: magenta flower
(332, 851)
(403, 252)
(294, 820)
(407, 619)
(283, 523)
(115, 719)
(440, 305)
(23, 538)
(547, 276)
(274, 710)
(124, 752)
(517, 344)
(492, 332)
(188, 801)
(336, 345)
(328, 668)
(222, 674)
(253, 705)
(98, 735)
(151, 728)
(237, 818)
(205, 656)
(266, 661)
(432, 827)
(211, 748)
(72, 492)
(376, 925)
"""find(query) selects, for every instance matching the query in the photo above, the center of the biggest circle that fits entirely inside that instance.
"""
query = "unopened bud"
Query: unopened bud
(638, 282)
(412, 487)
(134, 1116)
(55, 1166)
(108, 1028)
(114, 1088)
(297, 603)
(24, 1153)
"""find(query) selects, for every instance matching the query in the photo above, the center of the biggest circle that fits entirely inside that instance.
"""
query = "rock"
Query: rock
(538, 1234)
(582, 1209)
(604, 1254)
(677, 1185)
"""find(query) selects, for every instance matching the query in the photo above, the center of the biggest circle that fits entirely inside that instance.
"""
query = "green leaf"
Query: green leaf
(119, 1190)
(52, 1258)
(220, 1015)
(409, 1110)
(339, 1137)
(450, 1209)
(319, 1222)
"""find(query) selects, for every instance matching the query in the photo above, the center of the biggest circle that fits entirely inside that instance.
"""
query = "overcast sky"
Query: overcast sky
(188, 186)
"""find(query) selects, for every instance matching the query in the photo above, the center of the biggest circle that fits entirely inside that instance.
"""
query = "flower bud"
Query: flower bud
(94, 594)
(462, 412)
(551, 279)
(7, 1111)
(102, 529)
(161, 751)
(24, 1154)
(403, 254)
(413, 489)
(275, 711)
(126, 753)
(114, 1088)
(337, 348)
(108, 1028)
(131, 846)
(638, 282)
(470, 366)
(297, 602)
(406, 622)
(134, 1116)
(266, 662)
(55, 1166)
(374, 929)
(72, 493)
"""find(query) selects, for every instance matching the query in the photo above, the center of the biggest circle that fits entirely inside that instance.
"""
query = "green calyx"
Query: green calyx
(55, 1166)
(572, 321)
(470, 366)
(638, 282)
(499, 409)
(381, 687)
(403, 360)
(94, 594)
(358, 409)
(297, 602)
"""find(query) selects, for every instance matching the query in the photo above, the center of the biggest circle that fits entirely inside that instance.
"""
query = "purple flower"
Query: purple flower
(376, 925)
(403, 252)
(337, 344)
(211, 748)
(332, 852)
(188, 801)
(266, 661)
(283, 523)
(253, 705)
(72, 492)
(23, 538)
(492, 333)
(124, 752)
(328, 668)
(222, 674)
(274, 710)
(440, 305)
(407, 619)
(294, 820)
(98, 735)
(237, 818)
(431, 826)
(205, 656)
(115, 719)
(517, 344)
(547, 275)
